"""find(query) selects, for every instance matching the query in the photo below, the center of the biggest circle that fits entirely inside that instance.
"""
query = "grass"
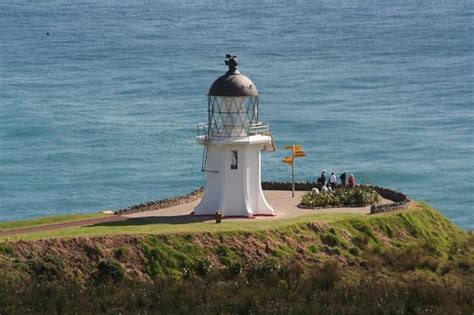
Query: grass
(11, 225)
(144, 226)
(356, 223)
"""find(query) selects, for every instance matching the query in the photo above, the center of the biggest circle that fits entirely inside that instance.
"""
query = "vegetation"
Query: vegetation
(5, 226)
(154, 226)
(343, 196)
(280, 290)
(412, 261)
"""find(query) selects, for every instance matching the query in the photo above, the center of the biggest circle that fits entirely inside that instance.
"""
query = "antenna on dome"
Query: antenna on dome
(231, 62)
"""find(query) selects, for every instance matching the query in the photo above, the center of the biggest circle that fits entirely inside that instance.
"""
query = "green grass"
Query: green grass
(145, 226)
(11, 225)
(412, 219)
(168, 258)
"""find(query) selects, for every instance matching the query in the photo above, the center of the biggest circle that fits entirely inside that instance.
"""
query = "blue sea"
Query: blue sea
(102, 112)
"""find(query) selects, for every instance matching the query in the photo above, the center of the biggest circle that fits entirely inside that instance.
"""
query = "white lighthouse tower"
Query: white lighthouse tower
(233, 139)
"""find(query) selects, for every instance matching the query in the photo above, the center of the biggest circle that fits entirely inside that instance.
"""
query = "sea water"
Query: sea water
(99, 100)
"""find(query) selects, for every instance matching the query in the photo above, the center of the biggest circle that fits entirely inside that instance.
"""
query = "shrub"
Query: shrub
(330, 240)
(445, 269)
(464, 265)
(120, 252)
(266, 269)
(355, 197)
(411, 259)
(430, 263)
(326, 277)
(6, 249)
(364, 264)
(361, 242)
(110, 270)
(48, 266)
(312, 248)
(203, 267)
(354, 251)
(234, 269)
(93, 252)
(226, 255)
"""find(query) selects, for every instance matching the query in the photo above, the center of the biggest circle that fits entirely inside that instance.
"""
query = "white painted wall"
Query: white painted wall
(235, 192)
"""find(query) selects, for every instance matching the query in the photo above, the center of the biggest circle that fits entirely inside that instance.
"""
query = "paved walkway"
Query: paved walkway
(284, 205)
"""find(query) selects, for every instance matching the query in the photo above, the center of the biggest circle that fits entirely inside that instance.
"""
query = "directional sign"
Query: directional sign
(296, 152)
(296, 146)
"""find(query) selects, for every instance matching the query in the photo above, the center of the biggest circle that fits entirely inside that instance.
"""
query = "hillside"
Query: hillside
(412, 261)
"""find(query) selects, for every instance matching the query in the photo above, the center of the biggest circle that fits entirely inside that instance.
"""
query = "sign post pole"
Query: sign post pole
(296, 152)
(293, 171)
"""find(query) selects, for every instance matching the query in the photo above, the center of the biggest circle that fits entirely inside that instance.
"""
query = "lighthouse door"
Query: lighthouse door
(234, 159)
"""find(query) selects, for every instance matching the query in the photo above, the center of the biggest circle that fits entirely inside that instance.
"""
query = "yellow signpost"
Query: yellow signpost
(296, 152)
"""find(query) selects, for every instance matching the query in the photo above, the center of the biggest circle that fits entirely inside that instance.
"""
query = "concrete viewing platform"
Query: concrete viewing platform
(285, 207)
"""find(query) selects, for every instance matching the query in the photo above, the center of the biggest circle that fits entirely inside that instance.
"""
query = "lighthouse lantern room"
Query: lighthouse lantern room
(233, 140)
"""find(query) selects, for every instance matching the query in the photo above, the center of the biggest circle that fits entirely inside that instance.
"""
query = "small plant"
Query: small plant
(312, 248)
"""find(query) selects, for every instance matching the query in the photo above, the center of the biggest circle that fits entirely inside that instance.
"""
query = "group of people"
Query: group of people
(332, 180)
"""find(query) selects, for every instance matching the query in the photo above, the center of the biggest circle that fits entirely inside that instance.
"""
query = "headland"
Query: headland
(156, 257)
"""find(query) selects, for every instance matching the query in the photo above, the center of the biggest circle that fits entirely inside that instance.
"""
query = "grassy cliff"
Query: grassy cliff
(412, 261)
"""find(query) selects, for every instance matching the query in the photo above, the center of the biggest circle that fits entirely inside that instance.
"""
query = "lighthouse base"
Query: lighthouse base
(234, 180)
(262, 208)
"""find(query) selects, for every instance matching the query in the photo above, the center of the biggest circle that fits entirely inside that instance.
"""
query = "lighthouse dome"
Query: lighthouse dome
(233, 83)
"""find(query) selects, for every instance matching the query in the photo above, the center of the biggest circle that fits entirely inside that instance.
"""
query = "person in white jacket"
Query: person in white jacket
(332, 180)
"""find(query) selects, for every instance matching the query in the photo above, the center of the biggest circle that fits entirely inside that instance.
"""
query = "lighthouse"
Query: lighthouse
(233, 139)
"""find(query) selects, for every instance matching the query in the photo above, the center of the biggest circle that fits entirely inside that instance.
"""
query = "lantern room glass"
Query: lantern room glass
(232, 116)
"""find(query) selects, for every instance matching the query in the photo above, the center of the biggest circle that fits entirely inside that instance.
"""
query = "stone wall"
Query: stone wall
(388, 193)
(164, 203)
(305, 186)
(374, 209)
(399, 199)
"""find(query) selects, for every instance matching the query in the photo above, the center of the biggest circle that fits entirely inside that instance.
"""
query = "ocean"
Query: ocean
(99, 100)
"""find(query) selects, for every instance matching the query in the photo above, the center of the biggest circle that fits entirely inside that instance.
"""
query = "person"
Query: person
(352, 181)
(322, 178)
(332, 180)
(343, 179)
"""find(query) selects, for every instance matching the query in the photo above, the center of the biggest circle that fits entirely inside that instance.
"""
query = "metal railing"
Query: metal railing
(202, 130)
(260, 128)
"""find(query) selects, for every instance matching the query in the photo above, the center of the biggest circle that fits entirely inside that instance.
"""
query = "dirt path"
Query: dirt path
(284, 205)
(47, 227)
